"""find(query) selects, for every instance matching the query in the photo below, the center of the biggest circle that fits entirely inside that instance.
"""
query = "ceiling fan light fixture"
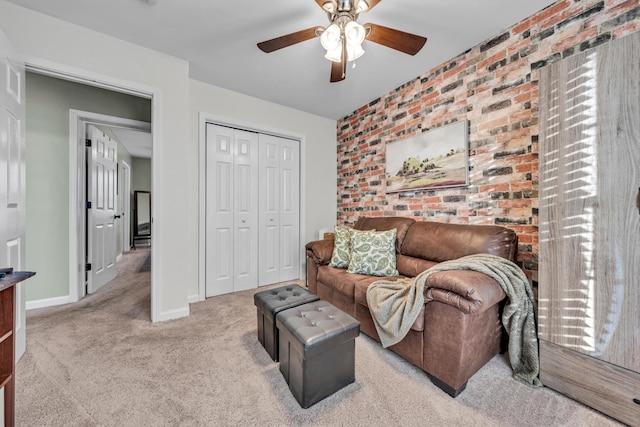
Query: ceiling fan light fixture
(330, 38)
(354, 33)
(354, 52)
(329, 6)
(362, 6)
(334, 55)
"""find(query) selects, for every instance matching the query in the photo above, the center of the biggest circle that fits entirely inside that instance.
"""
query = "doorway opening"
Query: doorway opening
(100, 194)
(76, 157)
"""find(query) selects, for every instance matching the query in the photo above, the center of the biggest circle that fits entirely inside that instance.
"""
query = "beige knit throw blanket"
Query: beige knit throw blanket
(395, 305)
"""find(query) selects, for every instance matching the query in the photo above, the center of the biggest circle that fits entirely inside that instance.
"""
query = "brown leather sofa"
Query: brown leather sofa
(459, 328)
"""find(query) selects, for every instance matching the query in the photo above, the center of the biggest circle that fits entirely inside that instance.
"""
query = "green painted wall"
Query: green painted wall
(141, 174)
(48, 102)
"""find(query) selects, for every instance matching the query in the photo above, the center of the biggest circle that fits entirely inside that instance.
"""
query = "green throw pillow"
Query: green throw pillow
(373, 253)
(341, 247)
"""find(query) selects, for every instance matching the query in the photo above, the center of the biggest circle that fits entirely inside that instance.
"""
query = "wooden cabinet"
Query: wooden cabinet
(7, 341)
(589, 298)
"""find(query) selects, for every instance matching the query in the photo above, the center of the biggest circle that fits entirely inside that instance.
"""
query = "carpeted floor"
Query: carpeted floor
(100, 362)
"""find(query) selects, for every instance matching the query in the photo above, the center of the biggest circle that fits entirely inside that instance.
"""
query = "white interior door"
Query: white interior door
(245, 254)
(269, 238)
(289, 210)
(101, 209)
(232, 210)
(279, 237)
(12, 178)
(219, 223)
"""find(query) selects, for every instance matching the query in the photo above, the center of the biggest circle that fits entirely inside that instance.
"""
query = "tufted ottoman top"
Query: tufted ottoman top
(276, 300)
(317, 326)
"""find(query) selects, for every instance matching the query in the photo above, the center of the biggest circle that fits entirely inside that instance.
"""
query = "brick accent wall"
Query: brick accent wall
(493, 85)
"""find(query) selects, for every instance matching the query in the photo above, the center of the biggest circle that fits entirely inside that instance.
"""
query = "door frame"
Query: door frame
(126, 207)
(91, 78)
(203, 120)
(78, 122)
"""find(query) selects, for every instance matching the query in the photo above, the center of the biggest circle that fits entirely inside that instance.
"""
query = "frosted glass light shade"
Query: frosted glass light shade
(354, 33)
(354, 52)
(362, 6)
(330, 38)
(335, 55)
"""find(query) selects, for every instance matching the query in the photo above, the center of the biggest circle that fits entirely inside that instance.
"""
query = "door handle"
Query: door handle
(116, 216)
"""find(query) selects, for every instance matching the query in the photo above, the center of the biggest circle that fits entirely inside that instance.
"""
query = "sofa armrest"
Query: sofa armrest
(469, 291)
(320, 251)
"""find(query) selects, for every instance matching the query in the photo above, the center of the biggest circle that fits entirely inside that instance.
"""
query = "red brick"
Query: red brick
(550, 11)
(522, 26)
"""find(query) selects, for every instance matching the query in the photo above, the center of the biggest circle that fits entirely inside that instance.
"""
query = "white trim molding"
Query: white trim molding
(173, 314)
(47, 302)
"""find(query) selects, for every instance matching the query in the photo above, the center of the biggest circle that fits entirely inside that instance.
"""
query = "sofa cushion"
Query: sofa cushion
(439, 242)
(401, 225)
(341, 247)
(410, 267)
(373, 253)
(339, 280)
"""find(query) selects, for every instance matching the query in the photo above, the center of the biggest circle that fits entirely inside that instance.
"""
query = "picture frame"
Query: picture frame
(435, 159)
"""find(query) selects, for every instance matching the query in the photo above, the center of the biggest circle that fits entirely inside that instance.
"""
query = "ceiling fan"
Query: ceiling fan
(343, 37)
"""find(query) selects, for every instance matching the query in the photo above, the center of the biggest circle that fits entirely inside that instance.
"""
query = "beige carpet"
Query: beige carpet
(100, 362)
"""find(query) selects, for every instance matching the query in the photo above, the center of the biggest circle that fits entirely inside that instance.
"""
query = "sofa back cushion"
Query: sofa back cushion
(381, 223)
(409, 266)
(439, 242)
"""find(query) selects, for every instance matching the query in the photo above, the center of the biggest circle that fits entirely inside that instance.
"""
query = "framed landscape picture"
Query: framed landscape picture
(435, 159)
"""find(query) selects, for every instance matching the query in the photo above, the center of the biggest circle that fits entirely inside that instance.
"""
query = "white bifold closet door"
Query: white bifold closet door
(232, 210)
(252, 210)
(279, 234)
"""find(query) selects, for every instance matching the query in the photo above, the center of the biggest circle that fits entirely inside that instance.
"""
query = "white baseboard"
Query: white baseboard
(173, 314)
(194, 298)
(47, 302)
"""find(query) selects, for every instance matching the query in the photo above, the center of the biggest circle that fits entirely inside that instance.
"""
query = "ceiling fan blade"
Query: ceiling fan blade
(395, 39)
(339, 69)
(288, 40)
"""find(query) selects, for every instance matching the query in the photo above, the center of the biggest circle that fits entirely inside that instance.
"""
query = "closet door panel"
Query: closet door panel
(290, 247)
(245, 195)
(219, 231)
(617, 243)
(568, 201)
(269, 237)
(279, 209)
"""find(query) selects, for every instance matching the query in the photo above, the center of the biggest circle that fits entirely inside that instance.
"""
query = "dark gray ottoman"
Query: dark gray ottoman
(271, 302)
(317, 350)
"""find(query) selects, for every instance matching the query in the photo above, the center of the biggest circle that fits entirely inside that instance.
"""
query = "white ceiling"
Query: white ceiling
(219, 37)
(137, 143)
